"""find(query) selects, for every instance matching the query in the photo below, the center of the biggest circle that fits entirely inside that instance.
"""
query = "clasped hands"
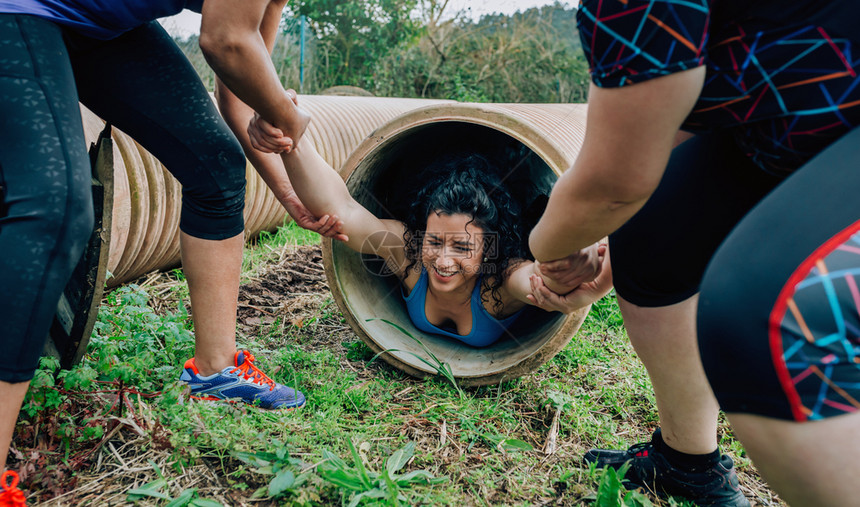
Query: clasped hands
(266, 137)
(571, 283)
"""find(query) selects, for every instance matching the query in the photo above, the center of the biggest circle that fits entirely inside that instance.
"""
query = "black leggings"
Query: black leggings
(141, 83)
(758, 356)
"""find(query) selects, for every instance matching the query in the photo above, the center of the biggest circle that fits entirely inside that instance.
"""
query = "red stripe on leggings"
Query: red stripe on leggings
(778, 314)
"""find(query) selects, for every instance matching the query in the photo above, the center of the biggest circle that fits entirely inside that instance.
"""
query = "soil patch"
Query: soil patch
(298, 277)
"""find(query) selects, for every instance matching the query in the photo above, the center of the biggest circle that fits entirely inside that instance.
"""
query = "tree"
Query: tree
(416, 48)
(532, 56)
(353, 35)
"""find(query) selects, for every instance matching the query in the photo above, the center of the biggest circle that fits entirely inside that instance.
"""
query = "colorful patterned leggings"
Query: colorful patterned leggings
(779, 311)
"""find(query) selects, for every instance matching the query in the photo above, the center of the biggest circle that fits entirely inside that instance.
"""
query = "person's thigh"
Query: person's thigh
(778, 320)
(142, 83)
(46, 214)
(660, 255)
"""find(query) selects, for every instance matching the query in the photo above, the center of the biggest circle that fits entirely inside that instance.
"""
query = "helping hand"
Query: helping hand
(266, 137)
(564, 275)
(327, 226)
(584, 295)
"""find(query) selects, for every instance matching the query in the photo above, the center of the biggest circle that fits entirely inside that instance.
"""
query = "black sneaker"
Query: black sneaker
(649, 469)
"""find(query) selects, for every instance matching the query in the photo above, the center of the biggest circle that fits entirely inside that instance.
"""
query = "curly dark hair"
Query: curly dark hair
(472, 186)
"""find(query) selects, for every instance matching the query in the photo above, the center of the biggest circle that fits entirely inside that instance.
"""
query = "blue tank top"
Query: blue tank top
(99, 19)
(486, 329)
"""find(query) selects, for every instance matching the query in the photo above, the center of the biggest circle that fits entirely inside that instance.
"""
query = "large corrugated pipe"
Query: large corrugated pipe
(147, 199)
(536, 143)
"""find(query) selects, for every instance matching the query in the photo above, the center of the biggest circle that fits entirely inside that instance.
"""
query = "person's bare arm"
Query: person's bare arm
(323, 191)
(237, 114)
(231, 38)
(516, 288)
(629, 137)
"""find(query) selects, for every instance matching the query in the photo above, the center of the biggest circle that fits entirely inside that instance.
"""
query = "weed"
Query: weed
(441, 368)
(387, 485)
(605, 315)
(612, 493)
(279, 465)
(186, 498)
(357, 350)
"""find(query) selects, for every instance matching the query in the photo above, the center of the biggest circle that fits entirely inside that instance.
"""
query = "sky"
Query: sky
(188, 23)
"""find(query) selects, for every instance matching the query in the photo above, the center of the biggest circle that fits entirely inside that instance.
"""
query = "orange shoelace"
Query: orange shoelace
(11, 496)
(251, 372)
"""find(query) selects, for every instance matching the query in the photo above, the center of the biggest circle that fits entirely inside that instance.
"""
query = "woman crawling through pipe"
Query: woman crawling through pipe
(459, 254)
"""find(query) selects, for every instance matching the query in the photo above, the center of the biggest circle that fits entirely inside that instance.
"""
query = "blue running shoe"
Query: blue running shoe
(244, 382)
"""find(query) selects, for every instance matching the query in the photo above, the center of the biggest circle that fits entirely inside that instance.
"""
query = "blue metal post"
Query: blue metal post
(303, 21)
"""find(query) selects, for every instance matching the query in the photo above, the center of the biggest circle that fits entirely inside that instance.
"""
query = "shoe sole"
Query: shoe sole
(222, 400)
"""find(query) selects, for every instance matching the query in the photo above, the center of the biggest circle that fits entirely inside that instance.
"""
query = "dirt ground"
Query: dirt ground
(284, 289)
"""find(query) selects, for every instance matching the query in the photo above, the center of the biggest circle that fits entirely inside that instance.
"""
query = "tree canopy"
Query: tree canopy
(417, 48)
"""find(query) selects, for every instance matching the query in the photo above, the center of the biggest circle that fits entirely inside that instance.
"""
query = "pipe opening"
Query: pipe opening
(385, 182)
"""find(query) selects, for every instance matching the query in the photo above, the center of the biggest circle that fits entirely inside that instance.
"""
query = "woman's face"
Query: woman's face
(451, 252)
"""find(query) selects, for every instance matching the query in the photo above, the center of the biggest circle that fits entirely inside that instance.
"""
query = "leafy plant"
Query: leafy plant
(42, 395)
(560, 401)
(504, 443)
(612, 493)
(131, 340)
(361, 483)
(125, 391)
(186, 498)
(605, 313)
(441, 368)
(278, 464)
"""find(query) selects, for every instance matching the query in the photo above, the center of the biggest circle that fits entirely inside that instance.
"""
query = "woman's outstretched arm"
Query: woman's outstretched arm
(324, 192)
(630, 135)
(237, 114)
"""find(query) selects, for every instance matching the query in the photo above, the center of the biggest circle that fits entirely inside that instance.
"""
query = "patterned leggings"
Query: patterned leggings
(779, 311)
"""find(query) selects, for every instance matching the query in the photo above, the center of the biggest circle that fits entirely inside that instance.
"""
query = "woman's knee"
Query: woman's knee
(213, 205)
(650, 274)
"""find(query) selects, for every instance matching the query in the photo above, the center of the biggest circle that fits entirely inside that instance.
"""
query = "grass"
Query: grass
(119, 428)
